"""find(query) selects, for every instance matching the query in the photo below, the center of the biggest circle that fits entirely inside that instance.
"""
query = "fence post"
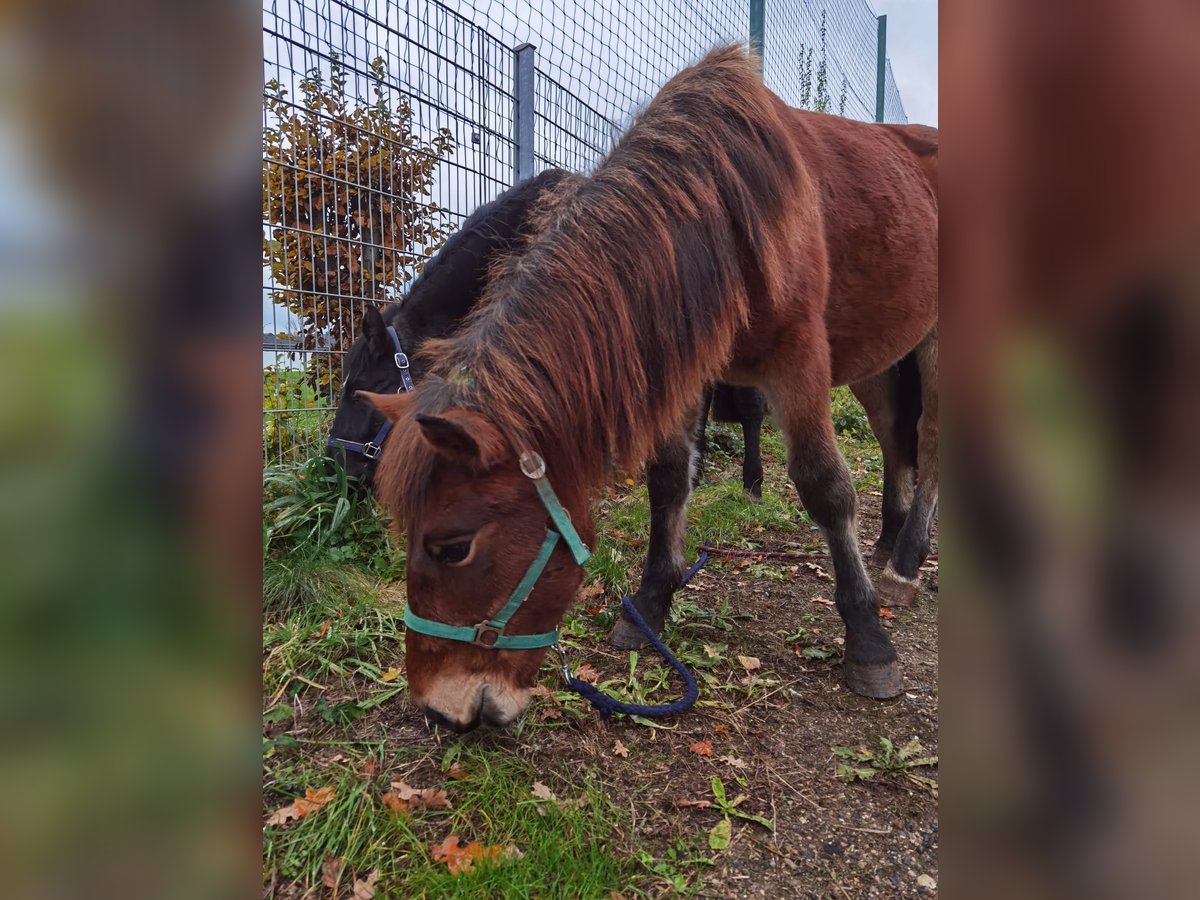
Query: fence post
(758, 28)
(881, 69)
(524, 58)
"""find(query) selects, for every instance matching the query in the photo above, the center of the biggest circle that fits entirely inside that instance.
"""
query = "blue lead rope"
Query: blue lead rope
(606, 705)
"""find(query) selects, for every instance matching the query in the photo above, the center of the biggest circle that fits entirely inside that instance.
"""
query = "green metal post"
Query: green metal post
(758, 26)
(881, 69)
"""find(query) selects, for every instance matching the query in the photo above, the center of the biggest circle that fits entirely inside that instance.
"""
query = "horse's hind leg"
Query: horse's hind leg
(801, 406)
(669, 483)
(751, 408)
(901, 578)
(891, 401)
(702, 436)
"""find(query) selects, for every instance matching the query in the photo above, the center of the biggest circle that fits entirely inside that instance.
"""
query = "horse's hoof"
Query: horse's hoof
(896, 590)
(626, 636)
(753, 496)
(879, 681)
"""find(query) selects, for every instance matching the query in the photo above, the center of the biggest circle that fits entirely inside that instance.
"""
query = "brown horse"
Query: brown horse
(726, 237)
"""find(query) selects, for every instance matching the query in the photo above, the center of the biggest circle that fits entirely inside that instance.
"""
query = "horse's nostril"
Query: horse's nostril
(460, 727)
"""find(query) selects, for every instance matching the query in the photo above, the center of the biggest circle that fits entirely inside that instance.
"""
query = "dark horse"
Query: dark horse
(727, 237)
(439, 299)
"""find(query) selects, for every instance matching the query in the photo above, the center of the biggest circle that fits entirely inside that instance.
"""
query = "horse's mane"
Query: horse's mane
(592, 342)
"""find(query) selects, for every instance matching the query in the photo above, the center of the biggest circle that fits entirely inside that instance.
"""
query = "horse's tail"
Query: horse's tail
(908, 408)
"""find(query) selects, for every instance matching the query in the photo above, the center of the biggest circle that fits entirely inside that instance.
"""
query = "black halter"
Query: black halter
(372, 448)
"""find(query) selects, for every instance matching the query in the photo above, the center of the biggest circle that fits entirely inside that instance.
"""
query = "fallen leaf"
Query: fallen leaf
(421, 798)
(587, 673)
(323, 630)
(393, 802)
(331, 871)
(698, 804)
(620, 750)
(629, 482)
(540, 690)
(733, 761)
(549, 712)
(710, 650)
(541, 792)
(588, 591)
(818, 571)
(701, 748)
(718, 838)
(370, 768)
(457, 772)
(749, 663)
(390, 675)
(721, 728)
(364, 888)
(885, 613)
(300, 808)
(462, 859)
(821, 600)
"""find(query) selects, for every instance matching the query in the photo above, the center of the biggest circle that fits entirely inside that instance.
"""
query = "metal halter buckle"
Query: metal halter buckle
(532, 465)
(486, 635)
(371, 449)
(562, 661)
(401, 360)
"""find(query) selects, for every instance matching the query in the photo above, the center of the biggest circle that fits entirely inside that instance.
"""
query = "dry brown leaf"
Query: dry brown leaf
(540, 690)
(393, 802)
(323, 630)
(549, 712)
(462, 859)
(818, 571)
(620, 750)
(300, 808)
(457, 772)
(698, 804)
(820, 600)
(701, 748)
(370, 768)
(721, 728)
(885, 613)
(587, 673)
(733, 761)
(749, 663)
(541, 792)
(391, 674)
(421, 798)
(364, 888)
(331, 871)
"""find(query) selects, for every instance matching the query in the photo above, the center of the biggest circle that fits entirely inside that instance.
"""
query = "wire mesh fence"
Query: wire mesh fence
(386, 122)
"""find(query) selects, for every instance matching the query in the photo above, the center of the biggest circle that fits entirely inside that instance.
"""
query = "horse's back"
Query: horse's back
(878, 190)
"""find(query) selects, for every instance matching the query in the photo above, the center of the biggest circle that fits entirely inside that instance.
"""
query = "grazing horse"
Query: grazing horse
(726, 237)
(450, 286)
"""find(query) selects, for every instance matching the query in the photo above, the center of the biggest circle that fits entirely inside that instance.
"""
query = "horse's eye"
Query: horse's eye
(452, 554)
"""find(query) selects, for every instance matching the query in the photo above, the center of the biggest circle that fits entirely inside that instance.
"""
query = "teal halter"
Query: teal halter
(490, 633)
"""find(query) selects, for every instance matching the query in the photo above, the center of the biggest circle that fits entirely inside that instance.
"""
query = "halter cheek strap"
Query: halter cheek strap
(490, 633)
(372, 448)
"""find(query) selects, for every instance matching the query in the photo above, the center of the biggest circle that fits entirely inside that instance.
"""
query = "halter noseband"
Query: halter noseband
(372, 448)
(490, 632)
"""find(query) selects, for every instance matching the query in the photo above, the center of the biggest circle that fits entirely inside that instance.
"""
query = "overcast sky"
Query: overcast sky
(912, 46)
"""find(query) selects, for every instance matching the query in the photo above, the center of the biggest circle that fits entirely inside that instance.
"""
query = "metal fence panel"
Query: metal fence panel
(452, 64)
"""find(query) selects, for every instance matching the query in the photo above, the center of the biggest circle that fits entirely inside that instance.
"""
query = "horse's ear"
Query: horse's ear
(464, 436)
(391, 405)
(375, 330)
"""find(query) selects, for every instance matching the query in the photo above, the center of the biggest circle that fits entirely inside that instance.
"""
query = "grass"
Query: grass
(567, 845)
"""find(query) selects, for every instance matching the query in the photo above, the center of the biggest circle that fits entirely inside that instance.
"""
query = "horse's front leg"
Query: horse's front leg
(669, 482)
